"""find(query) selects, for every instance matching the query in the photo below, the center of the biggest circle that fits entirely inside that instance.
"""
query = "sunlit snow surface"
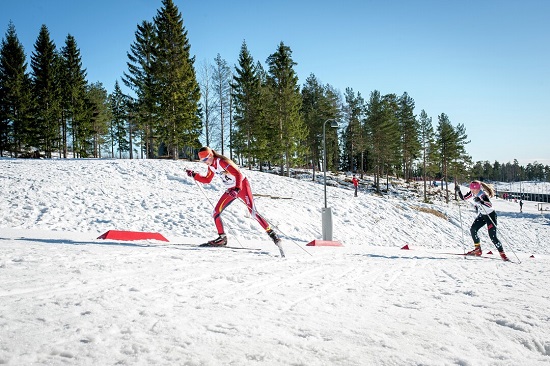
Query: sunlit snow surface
(67, 298)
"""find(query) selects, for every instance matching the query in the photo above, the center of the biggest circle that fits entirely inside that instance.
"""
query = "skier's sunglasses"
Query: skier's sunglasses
(204, 156)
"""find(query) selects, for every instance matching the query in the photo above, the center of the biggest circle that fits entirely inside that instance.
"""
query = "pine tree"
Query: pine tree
(373, 124)
(46, 94)
(15, 95)
(392, 151)
(383, 130)
(334, 110)
(459, 166)
(446, 145)
(288, 130)
(409, 128)
(451, 147)
(427, 148)
(355, 137)
(178, 90)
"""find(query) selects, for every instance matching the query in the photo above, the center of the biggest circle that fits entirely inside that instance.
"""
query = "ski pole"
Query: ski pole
(461, 228)
(460, 216)
(203, 193)
(282, 232)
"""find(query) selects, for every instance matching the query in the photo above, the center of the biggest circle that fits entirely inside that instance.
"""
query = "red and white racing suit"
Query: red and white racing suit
(232, 178)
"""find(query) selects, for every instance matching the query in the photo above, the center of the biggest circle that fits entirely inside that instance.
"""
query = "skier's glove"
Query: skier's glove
(477, 199)
(233, 192)
(190, 173)
(457, 188)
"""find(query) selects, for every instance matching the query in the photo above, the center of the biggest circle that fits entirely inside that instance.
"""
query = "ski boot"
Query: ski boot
(273, 235)
(476, 252)
(220, 241)
(504, 257)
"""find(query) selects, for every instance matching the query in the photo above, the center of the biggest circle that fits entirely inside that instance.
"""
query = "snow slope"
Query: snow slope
(67, 298)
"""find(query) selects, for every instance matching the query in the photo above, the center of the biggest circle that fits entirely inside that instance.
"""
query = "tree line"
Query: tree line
(53, 106)
(255, 112)
(510, 172)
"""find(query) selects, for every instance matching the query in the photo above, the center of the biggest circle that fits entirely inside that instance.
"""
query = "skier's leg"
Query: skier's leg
(224, 201)
(491, 226)
(248, 199)
(476, 225)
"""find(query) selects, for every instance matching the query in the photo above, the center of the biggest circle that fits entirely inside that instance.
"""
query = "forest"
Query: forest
(256, 113)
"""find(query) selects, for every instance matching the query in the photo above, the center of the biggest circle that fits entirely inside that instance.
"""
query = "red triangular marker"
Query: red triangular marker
(406, 247)
(489, 252)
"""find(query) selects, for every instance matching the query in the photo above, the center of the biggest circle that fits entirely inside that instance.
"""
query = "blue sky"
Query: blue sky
(486, 64)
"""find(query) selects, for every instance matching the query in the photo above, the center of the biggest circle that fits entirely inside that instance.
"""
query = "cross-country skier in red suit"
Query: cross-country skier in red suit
(355, 182)
(237, 187)
(480, 192)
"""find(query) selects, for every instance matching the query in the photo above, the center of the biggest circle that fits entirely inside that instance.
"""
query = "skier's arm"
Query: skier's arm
(484, 200)
(463, 197)
(204, 179)
(469, 197)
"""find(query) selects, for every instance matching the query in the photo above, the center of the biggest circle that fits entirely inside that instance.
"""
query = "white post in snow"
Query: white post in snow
(326, 212)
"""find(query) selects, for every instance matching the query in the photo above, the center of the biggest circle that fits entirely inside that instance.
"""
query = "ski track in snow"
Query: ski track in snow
(68, 298)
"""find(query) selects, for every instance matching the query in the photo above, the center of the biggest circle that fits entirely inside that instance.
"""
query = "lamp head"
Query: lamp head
(334, 124)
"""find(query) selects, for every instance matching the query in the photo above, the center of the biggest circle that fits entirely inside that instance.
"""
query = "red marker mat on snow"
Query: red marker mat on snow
(324, 243)
(131, 235)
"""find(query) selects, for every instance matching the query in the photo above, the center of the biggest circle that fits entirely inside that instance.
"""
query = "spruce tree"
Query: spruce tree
(248, 139)
(263, 126)
(289, 130)
(178, 90)
(141, 79)
(73, 86)
(319, 104)
(132, 112)
(118, 130)
(15, 102)
(314, 117)
(46, 94)
(98, 112)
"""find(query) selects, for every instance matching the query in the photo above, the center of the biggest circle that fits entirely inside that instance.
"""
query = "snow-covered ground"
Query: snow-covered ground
(67, 298)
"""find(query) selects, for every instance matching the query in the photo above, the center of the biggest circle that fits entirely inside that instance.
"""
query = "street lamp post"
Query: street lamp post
(326, 212)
